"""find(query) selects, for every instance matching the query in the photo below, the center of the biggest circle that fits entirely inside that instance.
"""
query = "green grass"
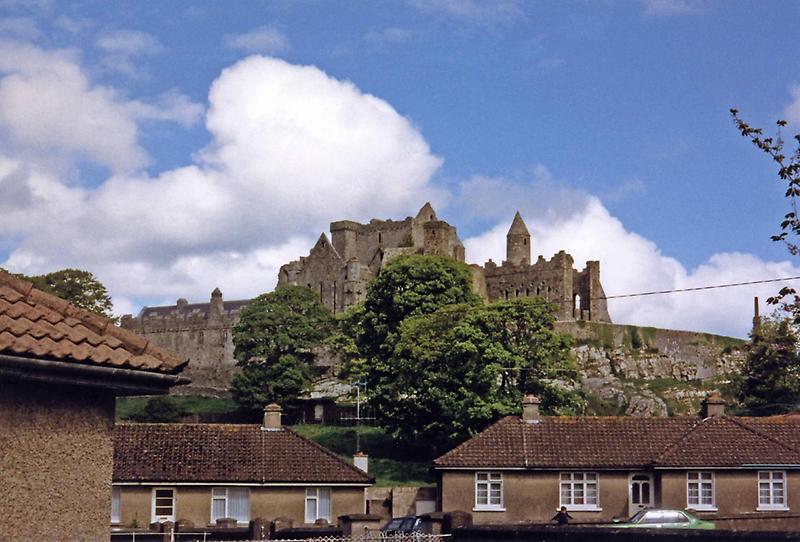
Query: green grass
(192, 404)
(390, 464)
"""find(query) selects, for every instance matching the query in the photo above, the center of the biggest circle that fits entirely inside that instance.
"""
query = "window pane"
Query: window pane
(482, 476)
(239, 504)
(311, 510)
(324, 503)
(217, 509)
(115, 505)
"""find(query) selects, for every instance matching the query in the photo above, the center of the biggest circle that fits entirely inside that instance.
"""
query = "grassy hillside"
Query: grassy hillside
(128, 407)
(391, 466)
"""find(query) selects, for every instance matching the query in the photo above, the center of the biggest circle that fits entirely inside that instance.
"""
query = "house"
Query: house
(522, 469)
(60, 370)
(206, 472)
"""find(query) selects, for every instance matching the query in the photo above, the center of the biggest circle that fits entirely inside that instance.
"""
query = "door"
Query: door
(640, 494)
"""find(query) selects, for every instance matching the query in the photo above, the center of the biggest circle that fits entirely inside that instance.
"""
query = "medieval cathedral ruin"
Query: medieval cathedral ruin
(340, 268)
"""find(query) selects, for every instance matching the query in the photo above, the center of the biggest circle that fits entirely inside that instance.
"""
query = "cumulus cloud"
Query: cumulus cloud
(292, 149)
(264, 39)
(631, 263)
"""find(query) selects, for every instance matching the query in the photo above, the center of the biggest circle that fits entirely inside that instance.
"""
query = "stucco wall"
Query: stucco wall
(532, 496)
(194, 503)
(736, 491)
(55, 462)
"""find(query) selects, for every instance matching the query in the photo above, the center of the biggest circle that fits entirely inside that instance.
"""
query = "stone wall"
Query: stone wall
(55, 462)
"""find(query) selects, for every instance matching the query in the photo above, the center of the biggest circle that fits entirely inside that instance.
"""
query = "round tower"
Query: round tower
(518, 242)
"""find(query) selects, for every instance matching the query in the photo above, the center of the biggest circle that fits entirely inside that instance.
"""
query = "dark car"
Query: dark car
(404, 525)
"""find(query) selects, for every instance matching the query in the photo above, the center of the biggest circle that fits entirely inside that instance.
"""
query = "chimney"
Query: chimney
(272, 417)
(713, 405)
(756, 316)
(361, 461)
(530, 409)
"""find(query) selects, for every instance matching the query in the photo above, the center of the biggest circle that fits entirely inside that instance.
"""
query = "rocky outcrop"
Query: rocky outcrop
(643, 371)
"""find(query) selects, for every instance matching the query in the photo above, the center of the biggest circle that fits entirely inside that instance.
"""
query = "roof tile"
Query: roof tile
(34, 323)
(627, 442)
(224, 453)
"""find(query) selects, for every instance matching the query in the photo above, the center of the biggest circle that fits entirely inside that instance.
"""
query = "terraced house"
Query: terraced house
(60, 369)
(209, 472)
(522, 469)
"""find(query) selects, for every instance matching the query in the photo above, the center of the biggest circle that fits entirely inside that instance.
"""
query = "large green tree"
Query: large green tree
(81, 288)
(409, 286)
(770, 379)
(273, 344)
(455, 370)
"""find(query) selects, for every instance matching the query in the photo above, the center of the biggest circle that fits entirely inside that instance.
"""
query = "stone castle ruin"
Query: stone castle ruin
(340, 268)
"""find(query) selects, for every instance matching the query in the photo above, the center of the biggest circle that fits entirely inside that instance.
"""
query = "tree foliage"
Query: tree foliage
(770, 379)
(409, 286)
(788, 163)
(81, 288)
(273, 344)
(160, 409)
(454, 371)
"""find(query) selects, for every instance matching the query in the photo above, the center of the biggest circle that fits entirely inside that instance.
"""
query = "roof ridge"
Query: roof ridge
(677, 441)
(329, 452)
(742, 424)
(100, 325)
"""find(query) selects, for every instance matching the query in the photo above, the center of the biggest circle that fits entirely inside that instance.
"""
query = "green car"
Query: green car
(664, 519)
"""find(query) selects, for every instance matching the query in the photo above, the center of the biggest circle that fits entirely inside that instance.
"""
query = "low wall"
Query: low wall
(548, 533)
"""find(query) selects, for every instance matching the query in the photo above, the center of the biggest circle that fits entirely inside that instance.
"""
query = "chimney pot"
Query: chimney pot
(272, 417)
(530, 408)
(713, 405)
(361, 461)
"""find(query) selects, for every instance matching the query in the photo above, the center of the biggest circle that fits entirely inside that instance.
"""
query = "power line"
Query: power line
(696, 288)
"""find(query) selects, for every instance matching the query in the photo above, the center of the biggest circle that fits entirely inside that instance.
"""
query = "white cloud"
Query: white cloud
(478, 12)
(264, 39)
(50, 112)
(20, 27)
(128, 42)
(123, 51)
(292, 149)
(667, 8)
(631, 263)
(792, 111)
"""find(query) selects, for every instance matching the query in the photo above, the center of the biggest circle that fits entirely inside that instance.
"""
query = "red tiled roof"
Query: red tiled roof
(38, 325)
(624, 442)
(224, 453)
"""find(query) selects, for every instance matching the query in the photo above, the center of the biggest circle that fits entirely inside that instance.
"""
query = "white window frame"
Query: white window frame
(116, 504)
(771, 480)
(312, 494)
(573, 479)
(489, 480)
(226, 498)
(699, 481)
(157, 519)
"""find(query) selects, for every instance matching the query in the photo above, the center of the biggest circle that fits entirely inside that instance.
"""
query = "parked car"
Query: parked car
(654, 518)
(404, 525)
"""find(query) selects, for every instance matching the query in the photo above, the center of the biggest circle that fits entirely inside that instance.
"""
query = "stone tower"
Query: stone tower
(518, 242)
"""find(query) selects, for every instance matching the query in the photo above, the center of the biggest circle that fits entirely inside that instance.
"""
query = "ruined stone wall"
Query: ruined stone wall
(56, 458)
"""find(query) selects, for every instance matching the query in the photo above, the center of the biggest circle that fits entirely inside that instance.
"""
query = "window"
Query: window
(115, 508)
(488, 491)
(230, 502)
(772, 490)
(700, 490)
(579, 491)
(318, 504)
(163, 504)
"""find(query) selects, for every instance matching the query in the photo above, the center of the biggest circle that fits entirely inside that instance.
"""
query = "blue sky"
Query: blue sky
(145, 142)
